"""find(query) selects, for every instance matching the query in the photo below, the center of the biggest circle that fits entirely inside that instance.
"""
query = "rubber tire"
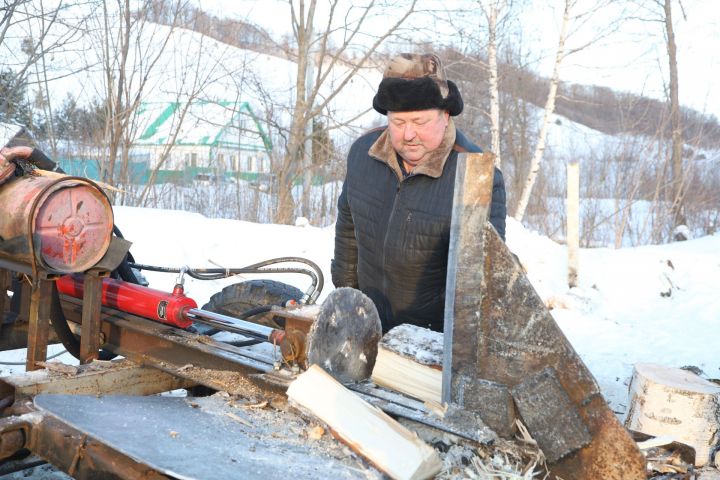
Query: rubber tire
(237, 298)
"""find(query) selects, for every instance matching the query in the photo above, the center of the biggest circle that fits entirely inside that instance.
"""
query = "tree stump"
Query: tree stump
(678, 403)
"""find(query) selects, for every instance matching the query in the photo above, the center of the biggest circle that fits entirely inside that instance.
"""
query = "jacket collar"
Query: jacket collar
(432, 166)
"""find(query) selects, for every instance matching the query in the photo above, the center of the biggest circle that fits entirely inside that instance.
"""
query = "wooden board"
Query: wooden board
(365, 429)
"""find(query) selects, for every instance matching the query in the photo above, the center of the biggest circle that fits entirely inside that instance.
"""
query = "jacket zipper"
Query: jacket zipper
(387, 235)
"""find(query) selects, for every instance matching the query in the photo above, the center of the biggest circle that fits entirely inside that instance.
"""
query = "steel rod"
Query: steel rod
(230, 324)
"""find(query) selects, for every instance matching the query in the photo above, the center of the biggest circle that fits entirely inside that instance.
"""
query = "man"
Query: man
(393, 226)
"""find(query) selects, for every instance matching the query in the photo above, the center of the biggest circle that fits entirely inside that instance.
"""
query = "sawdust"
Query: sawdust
(225, 380)
(266, 424)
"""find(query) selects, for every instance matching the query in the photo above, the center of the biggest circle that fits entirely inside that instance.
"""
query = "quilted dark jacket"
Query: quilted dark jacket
(392, 235)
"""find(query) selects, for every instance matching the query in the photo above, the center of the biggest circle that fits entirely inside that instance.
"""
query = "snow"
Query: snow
(615, 317)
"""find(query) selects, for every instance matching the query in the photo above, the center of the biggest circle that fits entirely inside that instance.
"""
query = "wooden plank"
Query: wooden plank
(573, 221)
(365, 429)
(98, 378)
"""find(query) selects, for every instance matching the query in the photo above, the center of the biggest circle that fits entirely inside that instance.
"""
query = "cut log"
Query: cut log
(365, 429)
(674, 402)
(410, 361)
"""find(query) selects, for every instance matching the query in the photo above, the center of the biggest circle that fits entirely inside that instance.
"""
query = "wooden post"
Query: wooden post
(92, 304)
(38, 323)
(573, 221)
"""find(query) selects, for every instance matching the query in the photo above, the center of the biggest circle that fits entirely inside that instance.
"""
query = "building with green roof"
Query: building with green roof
(208, 139)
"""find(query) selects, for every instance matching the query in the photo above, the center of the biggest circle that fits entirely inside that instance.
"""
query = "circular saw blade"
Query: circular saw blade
(344, 338)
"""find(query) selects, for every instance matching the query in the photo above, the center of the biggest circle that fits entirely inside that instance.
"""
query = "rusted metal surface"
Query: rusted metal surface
(119, 377)
(495, 402)
(186, 355)
(519, 338)
(38, 323)
(80, 455)
(61, 225)
(14, 435)
(547, 412)
(14, 332)
(471, 204)
(502, 332)
(92, 303)
(5, 283)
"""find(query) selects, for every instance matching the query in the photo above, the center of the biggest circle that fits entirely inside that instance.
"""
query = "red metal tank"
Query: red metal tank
(69, 219)
(170, 308)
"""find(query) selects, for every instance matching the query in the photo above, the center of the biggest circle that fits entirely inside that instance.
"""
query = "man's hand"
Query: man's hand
(9, 158)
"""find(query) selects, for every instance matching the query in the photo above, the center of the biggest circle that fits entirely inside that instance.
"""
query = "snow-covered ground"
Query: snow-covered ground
(617, 315)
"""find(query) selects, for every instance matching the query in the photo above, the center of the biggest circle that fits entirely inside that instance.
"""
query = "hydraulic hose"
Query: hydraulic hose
(217, 273)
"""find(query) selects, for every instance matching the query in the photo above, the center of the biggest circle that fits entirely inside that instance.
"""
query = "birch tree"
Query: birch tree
(547, 114)
(492, 10)
(574, 19)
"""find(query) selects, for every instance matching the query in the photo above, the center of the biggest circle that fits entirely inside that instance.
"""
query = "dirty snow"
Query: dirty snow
(655, 304)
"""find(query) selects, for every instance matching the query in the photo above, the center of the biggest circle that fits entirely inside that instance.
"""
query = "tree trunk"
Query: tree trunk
(677, 181)
(573, 222)
(549, 109)
(677, 403)
(493, 83)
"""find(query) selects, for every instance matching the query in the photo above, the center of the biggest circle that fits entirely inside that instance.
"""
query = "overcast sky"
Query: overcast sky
(631, 57)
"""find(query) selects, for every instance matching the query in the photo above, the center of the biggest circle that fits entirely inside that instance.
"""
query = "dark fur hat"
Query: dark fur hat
(416, 82)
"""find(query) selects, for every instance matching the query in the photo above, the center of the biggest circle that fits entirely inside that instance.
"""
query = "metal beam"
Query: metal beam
(38, 323)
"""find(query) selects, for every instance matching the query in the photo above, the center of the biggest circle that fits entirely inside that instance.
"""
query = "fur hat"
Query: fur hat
(416, 82)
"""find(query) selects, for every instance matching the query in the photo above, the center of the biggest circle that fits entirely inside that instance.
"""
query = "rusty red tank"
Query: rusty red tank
(69, 220)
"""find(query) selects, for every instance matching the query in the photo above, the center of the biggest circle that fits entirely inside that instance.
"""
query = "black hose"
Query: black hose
(315, 274)
(63, 332)
(123, 271)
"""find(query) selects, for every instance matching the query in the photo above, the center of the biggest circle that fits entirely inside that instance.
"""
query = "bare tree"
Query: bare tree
(549, 109)
(30, 32)
(313, 96)
(573, 20)
(130, 48)
(493, 9)
(678, 216)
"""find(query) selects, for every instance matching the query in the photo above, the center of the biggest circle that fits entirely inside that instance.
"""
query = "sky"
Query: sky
(626, 56)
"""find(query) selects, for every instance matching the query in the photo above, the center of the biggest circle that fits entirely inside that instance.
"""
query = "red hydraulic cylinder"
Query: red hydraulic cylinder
(169, 308)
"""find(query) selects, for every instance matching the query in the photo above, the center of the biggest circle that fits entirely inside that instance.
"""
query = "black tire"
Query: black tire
(238, 298)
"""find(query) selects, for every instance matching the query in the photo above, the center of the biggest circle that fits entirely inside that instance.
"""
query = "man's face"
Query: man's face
(414, 135)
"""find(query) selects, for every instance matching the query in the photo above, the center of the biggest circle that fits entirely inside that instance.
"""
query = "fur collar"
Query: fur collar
(432, 166)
